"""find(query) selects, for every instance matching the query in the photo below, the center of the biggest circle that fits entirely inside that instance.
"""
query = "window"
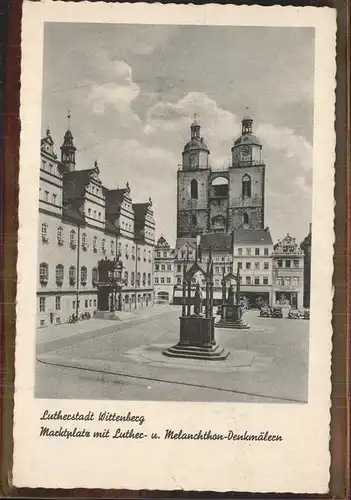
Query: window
(257, 251)
(44, 273)
(59, 275)
(44, 232)
(126, 251)
(296, 263)
(194, 220)
(179, 281)
(58, 303)
(265, 280)
(257, 281)
(246, 186)
(126, 278)
(132, 278)
(295, 281)
(266, 265)
(240, 265)
(149, 255)
(217, 270)
(257, 265)
(245, 218)
(144, 279)
(169, 267)
(138, 253)
(165, 254)
(280, 263)
(138, 279)
(279, 281)
(156, 281)
(194, 189)
(179, 268)
(60, 235)
(162, 280)
(84, 242)
(229, 269)
(168, 280)
(144, 254)
(90, 302)
(248, 265)
(86, 304)
(266, 251)
(103, 245)
(163, 267)
(183, 255)
(248, 251)
(54, 198)
(157, 267)
(112, 247)
(133, 252)
(42, 304)
(46, 195)
(94, 276)
(94, 302)
(158, 254)
(83, 275)
(248, 280)
(286, 281)
(240, 251)
(288, 263)
(72, 275)
(72, 238)
(89, 212)
(95, 244)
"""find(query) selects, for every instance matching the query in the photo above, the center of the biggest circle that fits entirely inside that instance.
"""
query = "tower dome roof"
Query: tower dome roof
(247, 139)
(196, 144)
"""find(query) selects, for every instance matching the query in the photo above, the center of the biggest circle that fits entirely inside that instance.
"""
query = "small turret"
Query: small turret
(68, 150)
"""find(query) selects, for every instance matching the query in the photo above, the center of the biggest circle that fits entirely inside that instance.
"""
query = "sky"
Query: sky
(132, 91)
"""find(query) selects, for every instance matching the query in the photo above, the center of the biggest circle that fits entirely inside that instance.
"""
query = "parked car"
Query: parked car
(265, 312)
(306, 314)
(277, 312)
(294, 313)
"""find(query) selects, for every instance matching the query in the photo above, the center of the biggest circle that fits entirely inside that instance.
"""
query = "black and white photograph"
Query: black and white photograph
(175, 213)
(175, 254)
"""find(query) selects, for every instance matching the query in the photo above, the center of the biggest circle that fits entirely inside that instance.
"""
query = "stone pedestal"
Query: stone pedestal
(197, 340)
(231, 317)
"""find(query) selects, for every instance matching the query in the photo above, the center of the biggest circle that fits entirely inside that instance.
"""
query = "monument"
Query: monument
(109, 285)
(231, 310)
(197, 330)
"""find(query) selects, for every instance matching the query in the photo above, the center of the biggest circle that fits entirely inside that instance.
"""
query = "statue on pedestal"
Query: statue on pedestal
(197, 300)
(230, 300)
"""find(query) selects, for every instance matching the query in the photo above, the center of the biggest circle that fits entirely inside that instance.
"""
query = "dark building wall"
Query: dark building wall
(188, 206)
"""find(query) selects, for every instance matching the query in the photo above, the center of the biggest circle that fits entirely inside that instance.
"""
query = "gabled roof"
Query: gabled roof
(74, 183)
(181, 242)
(162, 243)
(219, 242)
(253, 237)
(115, 198)
(73, 214)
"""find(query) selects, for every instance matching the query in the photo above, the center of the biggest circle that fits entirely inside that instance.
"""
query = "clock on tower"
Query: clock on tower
(194, 160)
(246, 151)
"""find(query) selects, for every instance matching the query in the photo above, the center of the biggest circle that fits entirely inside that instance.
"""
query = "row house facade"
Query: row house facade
(288, 273)
(80, 223)
(163, 271)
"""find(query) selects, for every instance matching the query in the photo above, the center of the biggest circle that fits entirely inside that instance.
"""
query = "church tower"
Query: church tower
(246, 181)
(68, 150)
(192, 186)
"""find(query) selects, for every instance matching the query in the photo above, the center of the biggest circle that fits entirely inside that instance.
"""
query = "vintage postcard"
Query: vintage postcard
(175, 247)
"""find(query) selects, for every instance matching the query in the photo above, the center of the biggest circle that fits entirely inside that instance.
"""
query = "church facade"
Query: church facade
(80, 223)
(225, 210)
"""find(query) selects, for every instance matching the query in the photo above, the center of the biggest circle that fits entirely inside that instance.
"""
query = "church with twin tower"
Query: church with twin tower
(221, 200)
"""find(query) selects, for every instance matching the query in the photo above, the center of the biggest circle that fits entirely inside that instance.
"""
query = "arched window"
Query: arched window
(84, 241)
(194, 189)
(119, 249)
(144, 279)
(132, 278)
(149, 279)
(95, 244)
(94, 276)
(126, 278)
(43, 273)
(83, 275)
(246, 218)
(138, 279)
(60, 235)
(194, 220)
(59, 274)
(126, 251)
(246, 186)
(72, 275)
(72, 238)
(103, 247)
(44, 232)
(112, 247)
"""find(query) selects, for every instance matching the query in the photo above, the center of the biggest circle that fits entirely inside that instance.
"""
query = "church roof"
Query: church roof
(196, 144)
(218, 242)
(253, 236)
(247, 139)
